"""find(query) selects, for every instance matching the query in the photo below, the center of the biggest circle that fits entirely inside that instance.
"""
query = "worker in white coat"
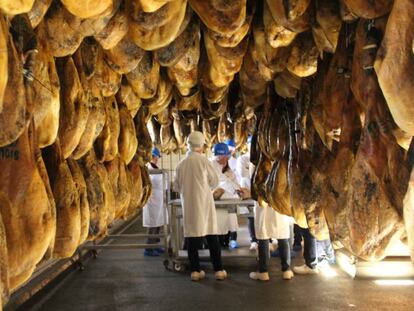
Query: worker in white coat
(154, 214)
(231, 144)
(243, 171)
(270, 224)
(226, 217)
(195, 177)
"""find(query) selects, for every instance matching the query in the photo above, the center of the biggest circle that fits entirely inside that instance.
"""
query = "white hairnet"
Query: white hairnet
(195, 140)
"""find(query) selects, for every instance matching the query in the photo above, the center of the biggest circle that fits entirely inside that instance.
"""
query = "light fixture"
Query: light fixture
(395, 282)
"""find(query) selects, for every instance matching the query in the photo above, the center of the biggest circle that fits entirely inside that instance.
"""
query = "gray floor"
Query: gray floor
(126, 280)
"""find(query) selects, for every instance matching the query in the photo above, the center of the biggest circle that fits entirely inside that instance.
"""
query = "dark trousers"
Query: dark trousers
(153, 230)
(252, 231)
(309, 250)
(325, 251)
(233, 235)
(284, 251)
(224, 240)
(297, 236)
(213, 246)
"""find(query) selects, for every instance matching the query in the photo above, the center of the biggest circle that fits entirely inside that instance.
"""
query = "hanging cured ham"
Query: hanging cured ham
(22, 188)
(369, 10)
(87, 8)
(292, 14)
(13, 112)
(80, 185)
(15, 7)
(144, 78)
(223, 18)
(136, 184)
(375, 182)
(155, 30)
(74, 111)
(127, 140)
(119, 182)
(106, 144)
(100, 195)
(68, 214)
(125, 56)
(395, 63)
(38, 11)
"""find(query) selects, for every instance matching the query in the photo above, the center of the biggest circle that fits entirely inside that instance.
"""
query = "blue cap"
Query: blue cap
(230, 143)
(155, 152)
(249, 139)
(221, 149)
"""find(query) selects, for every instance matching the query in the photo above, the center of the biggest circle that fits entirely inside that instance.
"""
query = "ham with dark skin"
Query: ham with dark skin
(376, 187)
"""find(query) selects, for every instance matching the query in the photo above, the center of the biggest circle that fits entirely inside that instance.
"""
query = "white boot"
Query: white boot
(304, 269)
(288, 275)
(220, 275)
(259, 276)
(197, 276)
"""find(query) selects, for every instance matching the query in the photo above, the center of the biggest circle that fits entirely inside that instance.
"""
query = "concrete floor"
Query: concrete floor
(126, 280)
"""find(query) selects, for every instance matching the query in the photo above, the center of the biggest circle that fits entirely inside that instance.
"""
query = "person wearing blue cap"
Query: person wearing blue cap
(229, 187)
(154, 214)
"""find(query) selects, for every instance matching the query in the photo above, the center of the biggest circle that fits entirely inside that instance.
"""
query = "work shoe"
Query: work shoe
(149, 252)
(220, 275)
(254, 246)
(288, 274)
(197, 276)
(259, 276)
(304, 269)
(233, 244)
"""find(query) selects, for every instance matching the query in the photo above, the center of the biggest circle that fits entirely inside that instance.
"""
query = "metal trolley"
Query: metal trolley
(164, 236)
(178, 256)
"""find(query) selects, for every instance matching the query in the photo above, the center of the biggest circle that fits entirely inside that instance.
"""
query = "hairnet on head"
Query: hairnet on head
(195, 140)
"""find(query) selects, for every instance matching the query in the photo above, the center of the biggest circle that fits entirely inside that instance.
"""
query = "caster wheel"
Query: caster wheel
(178, 267)
(94, 254)
(166, 263)
(80, 265)
(170, 251)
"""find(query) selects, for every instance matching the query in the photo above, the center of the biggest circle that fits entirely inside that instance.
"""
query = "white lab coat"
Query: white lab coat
(243, 166)
(233, 167)
(267, 222)
(270, 224)
(228, 182)
(154, 213)
(195, 177)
